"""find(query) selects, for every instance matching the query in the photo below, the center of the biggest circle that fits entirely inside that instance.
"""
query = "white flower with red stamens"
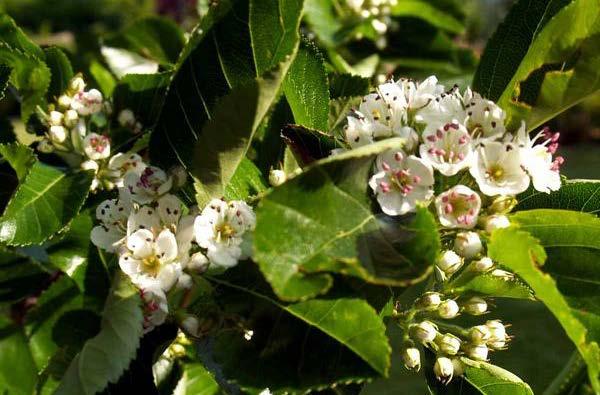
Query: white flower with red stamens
(358, 132)
(401, 182)
(148, 186)
(444, 109)
(111, 232)
(485, 120)
(448, 149)
(87, 103)
(96, 146)
(458, 207)
(155, 305)
(222, 229)
(497, 169)
(120, 164)
(537, 159)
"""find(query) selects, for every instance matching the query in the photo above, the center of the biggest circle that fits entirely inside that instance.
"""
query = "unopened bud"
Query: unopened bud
(58, 134)
(448, 309)
(483, 265)
(479, 334)
(443, 369)
(468, 244)
(503, 274)
(449, 262)
(71, 118)
(459, 367)
(179, 176)
(503, 205)
(429, 300)
(198, 263)
(497, 330)
(412, 358)
(90, 165)
(77, 84)
(496, 221)
(475, 306)
(424, 332)
(190, 324)
(55, 118)
(64, 101)
(478, 352)
(126, 118)
(277, 177)
(45, 146)
(449, 344)
(184, 281)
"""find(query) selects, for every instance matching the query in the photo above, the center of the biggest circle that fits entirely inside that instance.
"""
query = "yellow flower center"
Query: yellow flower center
(151, 265)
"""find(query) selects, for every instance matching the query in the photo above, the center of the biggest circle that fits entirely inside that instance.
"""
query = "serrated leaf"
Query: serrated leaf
(246, 181)
(489, 379)
(306, 88)
(61, 71)
(20, 157)
(4, 77)
(106, 356)
(196, 380)
(520, 252)
(347, 85)
(308, 145)
(144, 94)
(578, 195)
(14, 37)
(489, 285)
(428, 12)
(44, 203)
(301, 237)
(322, 18)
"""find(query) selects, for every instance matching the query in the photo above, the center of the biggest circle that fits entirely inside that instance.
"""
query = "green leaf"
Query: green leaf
(44, 203)
(429, 13)
(104, 79)
(323, 20)
(17, 373)
(306, 88)
(4, 77)
(308, 145)
(489, 379)
(20, 157)
(274, 31)
(14, 37)
(19, 276)
(106, 356)
(504, 52)
(578, 195)
(61, 71)
(301, 237)
(486, 284)
(246, 181)
(144, 94)
(156, 38)
(196, 380)
(523, 254)
(347, 85)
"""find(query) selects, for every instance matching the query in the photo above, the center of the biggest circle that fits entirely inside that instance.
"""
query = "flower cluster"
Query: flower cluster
(460, 158)
(160, 241)
(76, 129)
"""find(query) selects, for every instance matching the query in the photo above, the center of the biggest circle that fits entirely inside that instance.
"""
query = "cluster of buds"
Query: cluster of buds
(377, 12)
(78, 128)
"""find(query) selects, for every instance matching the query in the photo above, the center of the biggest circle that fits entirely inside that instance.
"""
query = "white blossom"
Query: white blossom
(418, 95)
(458, 207)
(468, 244)
(485, 120)
(156, 307)
(475, 306)
(447, 108)
(477, 351)
(412, 358)
(497, 169)
(119, 164)
(401, 182)
(425, 332)
(147, 186)
(449, 262)
(221, 230)
(480, 334)
(113, 215)
(96, 146)
(448, 149)
(277, 177)
(483, 265)
(449, 344)
(57, 134)
(126, 118)
(448, 309)
(87, 103)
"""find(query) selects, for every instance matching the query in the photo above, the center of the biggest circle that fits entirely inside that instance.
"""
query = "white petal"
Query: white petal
(166, 246)
(145, 218)
(224, 256)
(129, 265)
(168, 275)
(105, 238)
(141, 243)
(169, 209)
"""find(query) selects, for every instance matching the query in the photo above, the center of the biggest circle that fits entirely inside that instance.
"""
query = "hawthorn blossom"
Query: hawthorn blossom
(147, 186)
(420, 94)
(120, 164)
(222, 228)
(401, 182)
(448, 149)
(113, 216)
(485, 119)
(87, 103)
(96, 147)
(447, 108)
(497, 169)
(458, 207)
(155, 305)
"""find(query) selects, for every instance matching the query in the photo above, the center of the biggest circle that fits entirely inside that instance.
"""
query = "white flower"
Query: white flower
(221, 229)
(424, 331)
(458, 207)
(412, 358)
(96, 146)
(483, 265)
(497, 169)
(57, 134)
(147, 186)
(64, 101)
(418, 95)
(87, 103)
(198, 263)
(537, 159)
(448, 309)
(498, 337)
(502, 274)
(401, 182)
(449, 262)
(468, 244)
(496, 221)
(448, 149)
(156, 307)
(150, 256)
(276, 177)
(475, 306)
(443, 369)
(126, 118)
(119, 164)
(266, 391)
(478, 352)
(485, 120)
(449, 344)
(445, 109)
(113, 216)
(358, 131)
(480, 334)
(191, 324)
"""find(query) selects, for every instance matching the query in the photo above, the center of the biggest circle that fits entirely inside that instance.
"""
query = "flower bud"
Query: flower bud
(198, 263)
(55, 118)
(77, 84)
(479, 334)
(45, 146)
(277, 177)
(503, 274)
(190, 324)
(58, 134)
(497, 330)
(468, 244)
(503, 205)
(412, 358)
(448, 309)
(176, 350)
(90, 165)
(478, 352)
(449, 262)
(64, 101)
(71, 118)
(483, 265)
(184, 281)
(496, 221)
(497, 344)
(449, 344)
(425, 331)
(126, 118)
(475, 306)
(429, 300)
(179, 176)
(459, 368)
(443, 369)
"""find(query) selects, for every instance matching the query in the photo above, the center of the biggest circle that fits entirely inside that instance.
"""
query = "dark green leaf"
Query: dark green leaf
(308, 145)
(20, 157)
(14, 37)
(17, 373)
(196, 380)
(61, 71)
(19, 276)
(43, 205)
(4, 77)
(144, 94)
(246, 181)
(578, 195)
(104, 78)
(347, 85)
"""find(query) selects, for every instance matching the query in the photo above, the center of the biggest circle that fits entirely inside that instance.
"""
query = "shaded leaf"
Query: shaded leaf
(17, 373)
(144, 94)
(19, 276)
(61, 71)
(196, 380)
(428, 12)
(20, 157)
